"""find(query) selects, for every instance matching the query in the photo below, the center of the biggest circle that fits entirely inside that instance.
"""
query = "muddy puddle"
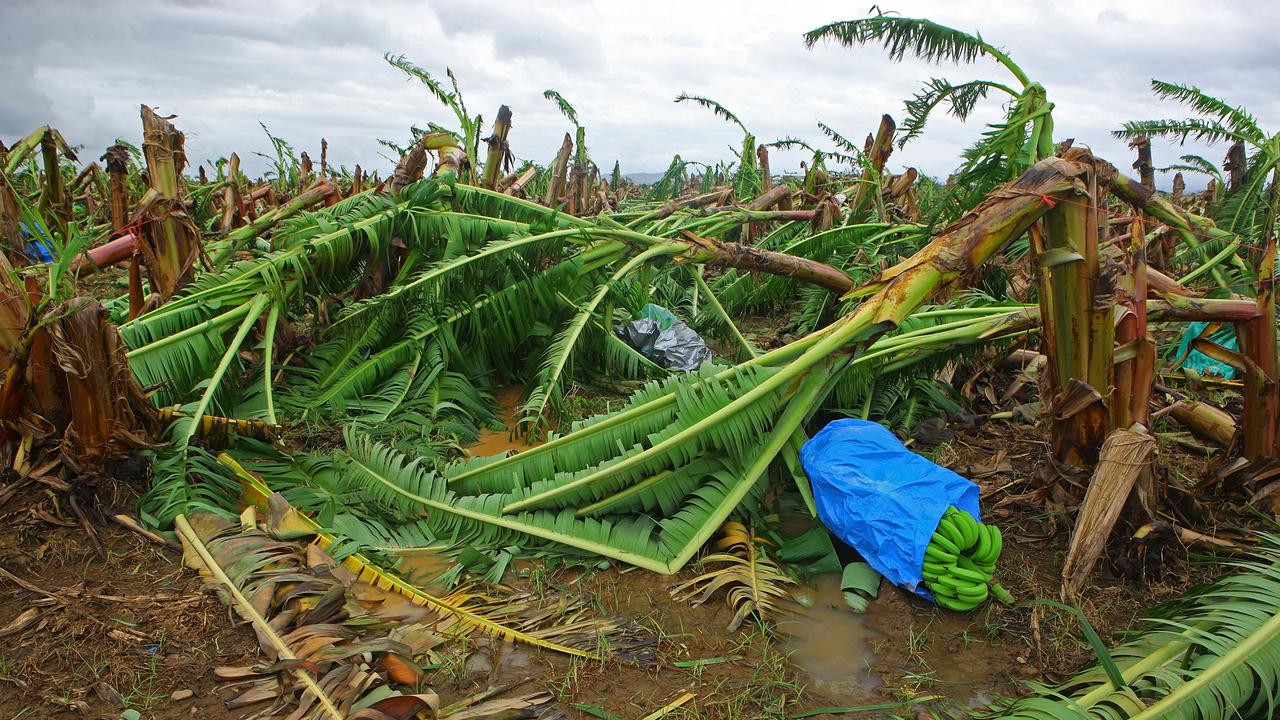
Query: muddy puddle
(424, 569)
(830, 644)
(494, 442)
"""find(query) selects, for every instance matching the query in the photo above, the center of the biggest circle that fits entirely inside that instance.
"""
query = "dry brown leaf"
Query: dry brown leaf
(24, 620)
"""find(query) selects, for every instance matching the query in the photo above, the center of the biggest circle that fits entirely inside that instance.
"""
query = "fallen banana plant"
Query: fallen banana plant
(481, 277)
(650, 484)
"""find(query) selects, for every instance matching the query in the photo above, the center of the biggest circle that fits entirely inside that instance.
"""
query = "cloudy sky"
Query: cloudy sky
(314, 68)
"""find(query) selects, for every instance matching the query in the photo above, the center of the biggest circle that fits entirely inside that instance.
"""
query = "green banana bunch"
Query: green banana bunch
(960, 562)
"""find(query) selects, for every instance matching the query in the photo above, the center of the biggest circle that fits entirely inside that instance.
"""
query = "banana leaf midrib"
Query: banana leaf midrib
(257, 492)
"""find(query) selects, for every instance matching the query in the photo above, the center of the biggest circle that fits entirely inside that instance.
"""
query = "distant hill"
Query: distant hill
(643, 178)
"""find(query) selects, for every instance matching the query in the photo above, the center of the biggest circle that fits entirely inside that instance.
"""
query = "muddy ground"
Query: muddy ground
(85, 633)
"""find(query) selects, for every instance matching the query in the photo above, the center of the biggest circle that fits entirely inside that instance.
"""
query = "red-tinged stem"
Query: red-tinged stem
(105, 255)
(1257, 338)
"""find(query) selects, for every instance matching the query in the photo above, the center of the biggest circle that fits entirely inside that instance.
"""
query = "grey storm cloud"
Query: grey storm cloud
(551, 34)
(310, 69)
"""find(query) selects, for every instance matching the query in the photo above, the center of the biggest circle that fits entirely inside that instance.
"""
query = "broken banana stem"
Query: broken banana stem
(1204, 421)
(1187, 537)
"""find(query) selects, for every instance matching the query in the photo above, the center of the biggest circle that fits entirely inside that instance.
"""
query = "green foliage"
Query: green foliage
(1213, 653)
(1195, 164)
(715, 107)
(901, 36)
(287, 168)
(747, 182)
(1006, 148)
(960, 100)
(673, 182)
(1246, 210)
(470, 127)
(565, 108)
(1235, 118)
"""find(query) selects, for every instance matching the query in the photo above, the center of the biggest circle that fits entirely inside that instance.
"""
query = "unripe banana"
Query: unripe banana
(969, 526)
(941, 590)
(960, 561)
(967, 575)
(935, 554)
(958, 605)
(944, 543)
(983, 548)
(974, 592)
(947, 529)
(997, 543)
(947, 582)
(935, 568)
(956, 583)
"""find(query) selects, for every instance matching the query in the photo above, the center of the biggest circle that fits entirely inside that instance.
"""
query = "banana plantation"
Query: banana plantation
(400, 430)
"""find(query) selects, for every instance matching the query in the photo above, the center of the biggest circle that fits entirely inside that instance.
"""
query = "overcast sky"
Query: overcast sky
(313, 68)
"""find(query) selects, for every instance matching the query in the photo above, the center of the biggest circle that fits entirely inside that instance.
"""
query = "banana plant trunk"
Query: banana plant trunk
(878, 150)
(498, 148)
(1261, 421)
(1135, 348)
(1078, 328)
(516, 188)
(578, 178)
(410, 168)
(10, 215)
(54, 200)
(559, 169)
(320, 192)
(232, 204)
(717, 196)
(170, 240)
(108, 414)
(1146, 171)
(21, 149)
(1236, 164)
(1147, 176)
(117, 159)
(752, 259)
(766, 179)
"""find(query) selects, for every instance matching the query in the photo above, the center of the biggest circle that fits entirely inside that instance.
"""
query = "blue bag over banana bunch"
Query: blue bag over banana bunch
(889, 504)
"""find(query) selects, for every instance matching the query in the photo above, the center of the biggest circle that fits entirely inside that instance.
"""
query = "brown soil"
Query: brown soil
(127, 628)
(132, 627)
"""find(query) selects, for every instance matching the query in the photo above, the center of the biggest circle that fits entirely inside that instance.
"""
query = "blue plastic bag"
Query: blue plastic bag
(37, 252)
(880, 498)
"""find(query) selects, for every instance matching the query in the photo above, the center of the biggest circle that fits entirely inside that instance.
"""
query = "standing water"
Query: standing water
(494, 442)
(830, 643)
